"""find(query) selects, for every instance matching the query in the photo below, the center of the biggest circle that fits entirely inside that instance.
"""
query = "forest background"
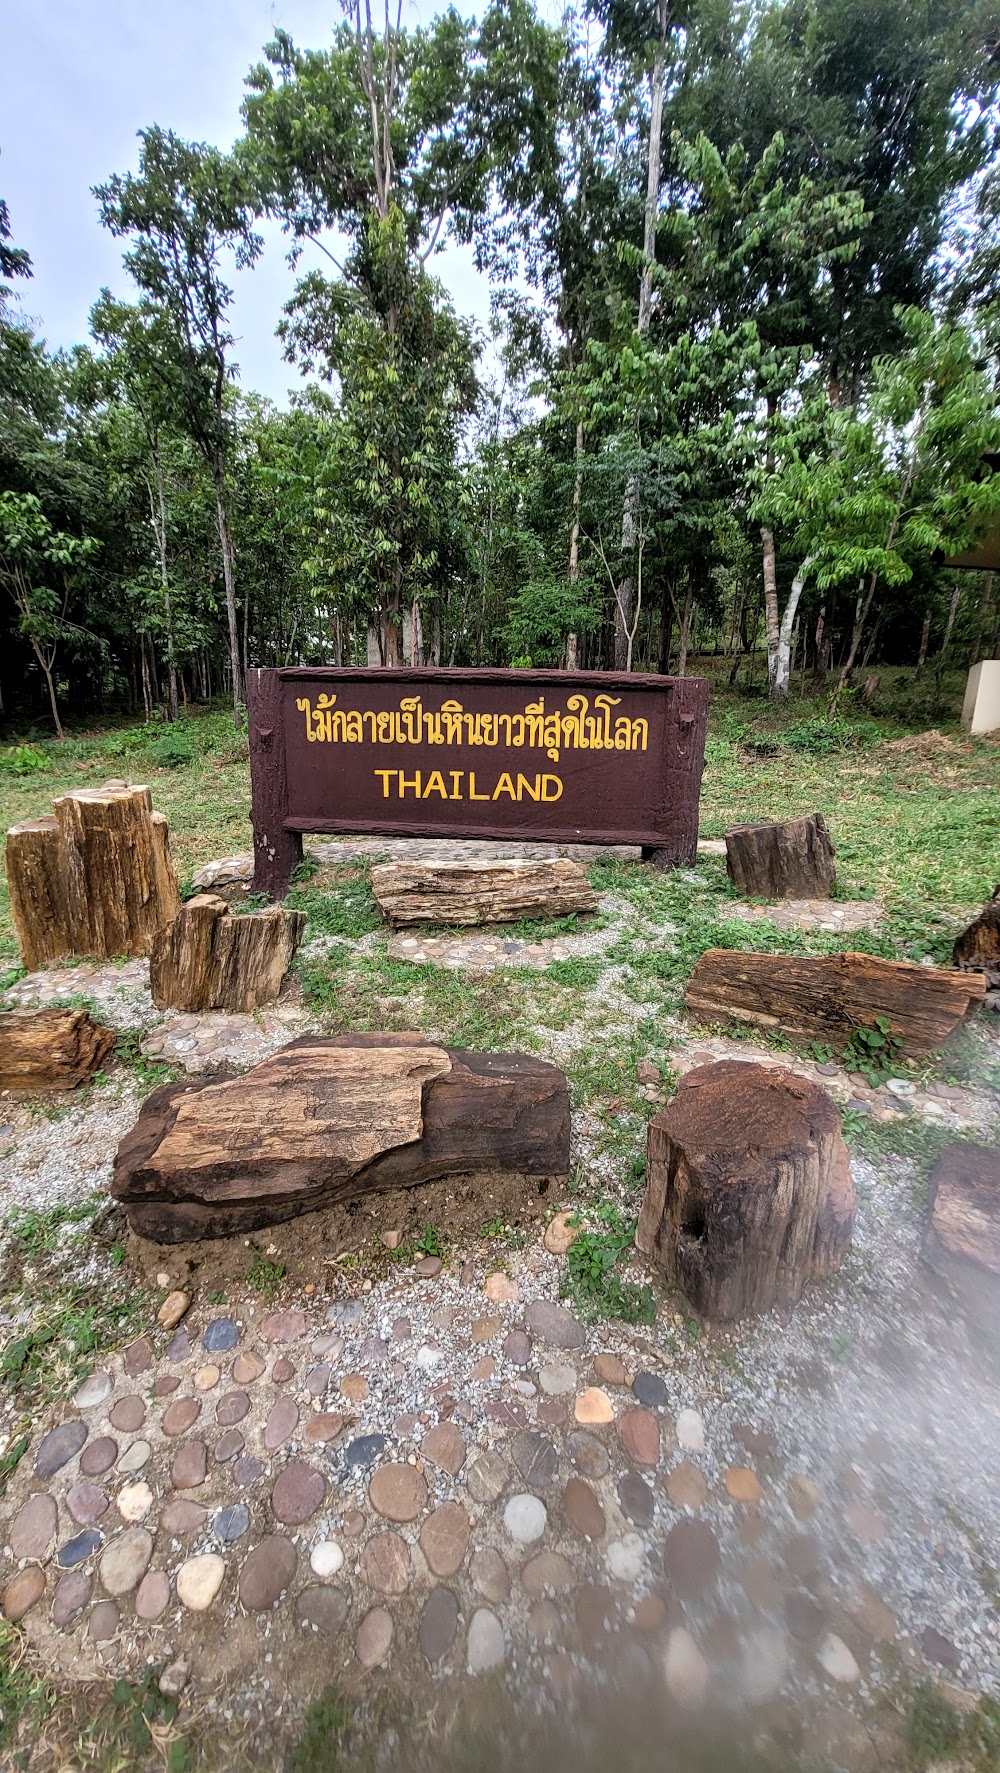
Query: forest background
(740, 399)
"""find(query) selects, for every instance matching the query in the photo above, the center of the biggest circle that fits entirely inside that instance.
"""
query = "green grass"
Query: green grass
(265, 1276)
(592, 1279)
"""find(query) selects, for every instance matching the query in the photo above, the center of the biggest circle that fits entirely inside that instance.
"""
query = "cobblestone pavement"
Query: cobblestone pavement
(452, 1472)
(838, 915)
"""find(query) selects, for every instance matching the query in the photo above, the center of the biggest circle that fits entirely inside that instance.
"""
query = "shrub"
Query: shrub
(172, 750)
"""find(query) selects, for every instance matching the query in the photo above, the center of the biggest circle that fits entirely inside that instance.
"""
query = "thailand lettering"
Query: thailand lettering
(577, 727)
(449, 785)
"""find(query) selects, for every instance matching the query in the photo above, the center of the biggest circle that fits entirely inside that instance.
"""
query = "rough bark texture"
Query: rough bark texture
(207, 960)
(95, 879)
(832, 995)
(793, 860)
(962, 1235)
(749, 1193)
(331, 1120)
(480, 892)
(50, 1049)
(977, 949)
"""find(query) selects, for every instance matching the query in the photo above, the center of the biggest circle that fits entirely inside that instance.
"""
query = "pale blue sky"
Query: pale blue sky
(80, 77)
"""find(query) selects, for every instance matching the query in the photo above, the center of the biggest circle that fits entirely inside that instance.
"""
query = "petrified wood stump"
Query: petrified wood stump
(50, 1049)
(480, 892)
(977, 949)
(207, 959)
(820, 996)
(97, 878)
(749, 1193)
(792, 860)
(962, 1235)
(330, 1120)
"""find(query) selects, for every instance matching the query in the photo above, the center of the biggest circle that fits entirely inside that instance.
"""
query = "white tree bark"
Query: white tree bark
(780, 674)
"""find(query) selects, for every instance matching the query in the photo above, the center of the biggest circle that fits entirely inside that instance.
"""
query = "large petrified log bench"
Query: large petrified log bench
(791, 860)
(329, 1120)
(207, 959)
(749, 1193)
(962, 1234)
(50, 1049)
(480, 892)
(95, 878)
(829, 996)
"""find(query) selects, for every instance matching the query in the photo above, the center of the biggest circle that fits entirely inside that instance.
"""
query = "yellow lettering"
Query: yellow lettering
(385, 774)
(435, 786)
(525, 787)
(409, 782)
(546, 780)
(504, 786)
(456, 777)
(472, 788)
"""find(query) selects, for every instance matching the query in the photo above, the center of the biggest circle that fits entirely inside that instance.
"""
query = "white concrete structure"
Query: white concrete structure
(981, 708)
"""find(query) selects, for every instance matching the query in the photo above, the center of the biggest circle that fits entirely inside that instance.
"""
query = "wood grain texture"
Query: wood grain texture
(749, 1193)
(50, 1049)
(817, 996)
(961, 1246)
(977, 949)
(96, 878)
(328, 1120)
(480, 892)
(207, 959)
(790, 860)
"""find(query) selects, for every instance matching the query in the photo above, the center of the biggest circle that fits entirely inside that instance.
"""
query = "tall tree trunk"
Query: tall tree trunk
(982, 610)
(625, 600)
(574, 533)
(780, 669)
(685, 624)
(229, 579)
(956, 597)
(772, 622)
(625, 596)
(861, 616)
(158, 511)
(666, 625)
(822, 645)
(50, 686)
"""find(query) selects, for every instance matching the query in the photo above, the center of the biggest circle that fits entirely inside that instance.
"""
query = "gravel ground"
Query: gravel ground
(874, 1388)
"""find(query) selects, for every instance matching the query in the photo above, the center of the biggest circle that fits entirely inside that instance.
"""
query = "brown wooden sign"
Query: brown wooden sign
(555, 756)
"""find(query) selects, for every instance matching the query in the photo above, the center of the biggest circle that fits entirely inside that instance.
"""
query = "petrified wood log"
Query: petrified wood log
(480, 892)
(208, 960)
(97, 878)
(50, 1049)
(330, 1120)
(977, 949)
(793, 860)
(749, 1193)
(962, 1235)
(812, 996)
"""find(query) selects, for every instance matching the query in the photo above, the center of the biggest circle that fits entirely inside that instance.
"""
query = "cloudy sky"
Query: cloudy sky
(80, 78)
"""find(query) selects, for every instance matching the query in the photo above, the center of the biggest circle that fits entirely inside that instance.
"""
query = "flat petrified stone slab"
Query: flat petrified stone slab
(833, 995)
(338, 1107)
(480, 892)
(329, 1120)
(50, 1049)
